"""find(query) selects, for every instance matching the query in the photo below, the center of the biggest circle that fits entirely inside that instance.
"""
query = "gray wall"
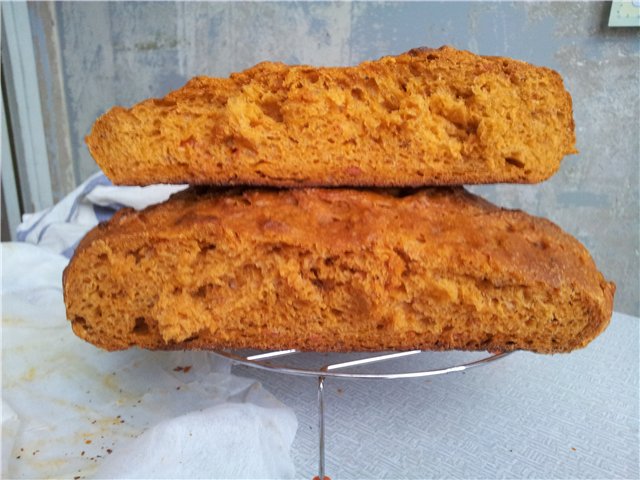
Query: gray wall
(96, 55)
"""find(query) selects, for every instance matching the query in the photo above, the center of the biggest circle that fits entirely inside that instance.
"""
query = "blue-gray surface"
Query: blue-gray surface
(526, 416)
(95, 55)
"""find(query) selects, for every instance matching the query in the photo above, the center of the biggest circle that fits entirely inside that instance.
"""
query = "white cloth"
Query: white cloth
(72, 410)
(59, 228)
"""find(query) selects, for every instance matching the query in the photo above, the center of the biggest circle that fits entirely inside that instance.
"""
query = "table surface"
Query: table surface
(525, 416)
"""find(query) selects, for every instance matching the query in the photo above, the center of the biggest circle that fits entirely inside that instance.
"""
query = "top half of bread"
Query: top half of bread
(426, 117)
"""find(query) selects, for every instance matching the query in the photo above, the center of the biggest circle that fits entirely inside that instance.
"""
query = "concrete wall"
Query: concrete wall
(96, 55)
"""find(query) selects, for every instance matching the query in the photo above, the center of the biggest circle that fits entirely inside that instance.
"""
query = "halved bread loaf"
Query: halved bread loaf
(426, 117)
(334, 270)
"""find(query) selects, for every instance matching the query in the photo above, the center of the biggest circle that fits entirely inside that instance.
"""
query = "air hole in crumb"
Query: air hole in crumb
(313, 76)
(138, 255)
(514, 161)
(204, 248)
(141, 327)
(371, 85)
(357, 93)
(390, 104)
(272, 110)
(201, 292)
(80, 321)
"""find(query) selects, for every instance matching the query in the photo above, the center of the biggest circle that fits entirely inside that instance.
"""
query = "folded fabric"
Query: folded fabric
(60, 227)
(209, 443)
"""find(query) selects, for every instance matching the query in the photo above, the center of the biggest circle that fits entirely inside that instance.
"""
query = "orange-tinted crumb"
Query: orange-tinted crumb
(426, 117)
(334, 269)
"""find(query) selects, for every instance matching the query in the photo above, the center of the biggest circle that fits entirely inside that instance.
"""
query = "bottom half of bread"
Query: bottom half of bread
(193, 294)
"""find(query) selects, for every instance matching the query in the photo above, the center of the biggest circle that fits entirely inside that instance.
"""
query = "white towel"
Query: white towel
(59, 228)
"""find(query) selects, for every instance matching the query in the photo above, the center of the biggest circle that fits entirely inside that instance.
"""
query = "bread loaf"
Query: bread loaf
(426, 117)
(334, 270)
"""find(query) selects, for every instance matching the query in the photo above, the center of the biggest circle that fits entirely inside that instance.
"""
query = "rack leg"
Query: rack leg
(321, 428)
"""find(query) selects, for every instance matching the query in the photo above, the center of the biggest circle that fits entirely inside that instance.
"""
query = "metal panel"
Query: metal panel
(46, 44)
(10, 201)
(24, 109)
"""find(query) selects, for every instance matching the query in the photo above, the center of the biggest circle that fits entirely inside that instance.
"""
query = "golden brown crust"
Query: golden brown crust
(334, 270)
(426, 117)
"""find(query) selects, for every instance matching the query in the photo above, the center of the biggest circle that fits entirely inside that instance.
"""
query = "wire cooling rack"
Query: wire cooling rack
(363, 365)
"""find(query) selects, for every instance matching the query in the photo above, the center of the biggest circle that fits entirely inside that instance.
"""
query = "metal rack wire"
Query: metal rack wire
(351, 365)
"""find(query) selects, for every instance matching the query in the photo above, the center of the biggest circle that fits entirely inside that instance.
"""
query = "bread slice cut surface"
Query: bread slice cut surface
(334, 270)
(426, 117)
